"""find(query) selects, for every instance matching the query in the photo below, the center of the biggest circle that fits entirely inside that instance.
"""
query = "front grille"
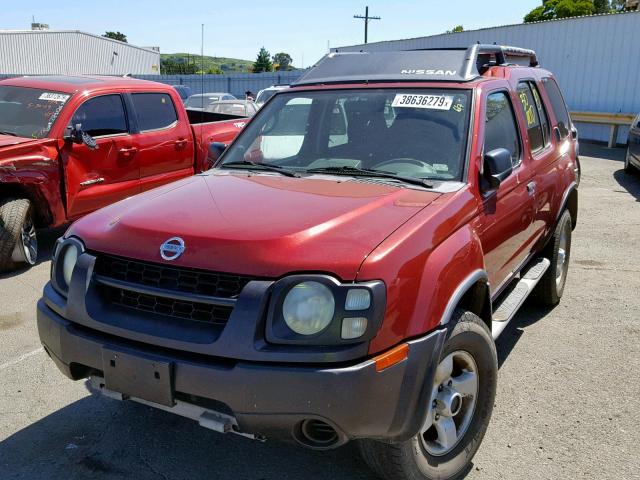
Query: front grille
(184, 281)
(201, 312)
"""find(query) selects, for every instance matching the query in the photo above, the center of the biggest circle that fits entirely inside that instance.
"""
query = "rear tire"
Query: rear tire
(551, 286)
(18, 242)
(426, 456)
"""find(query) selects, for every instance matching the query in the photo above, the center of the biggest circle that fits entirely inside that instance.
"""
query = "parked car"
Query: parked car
(71, 145)
(200, 101)
(244, 108)
(183, 91)
(632, 160)
(266, 93)
(350, 290)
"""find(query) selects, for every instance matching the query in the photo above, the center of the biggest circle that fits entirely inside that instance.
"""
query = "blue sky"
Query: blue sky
(239, 28)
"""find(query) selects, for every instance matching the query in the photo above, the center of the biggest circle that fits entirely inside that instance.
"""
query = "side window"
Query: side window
(542, 112)
(558, 106)
(102, 116)
(500, 127)
(530, 111)
(154, 111)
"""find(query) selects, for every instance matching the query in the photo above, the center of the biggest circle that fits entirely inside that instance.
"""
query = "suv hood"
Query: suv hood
(256, 224)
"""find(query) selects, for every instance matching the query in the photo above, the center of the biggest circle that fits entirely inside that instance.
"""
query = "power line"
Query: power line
(366, 19)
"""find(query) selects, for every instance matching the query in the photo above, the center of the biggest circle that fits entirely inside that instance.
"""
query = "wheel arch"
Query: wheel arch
(43, 214)
(474, 295)
(570, 203)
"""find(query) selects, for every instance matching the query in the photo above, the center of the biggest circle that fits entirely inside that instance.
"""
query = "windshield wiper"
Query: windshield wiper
(371, 172)
(263, 166)
(13, 134)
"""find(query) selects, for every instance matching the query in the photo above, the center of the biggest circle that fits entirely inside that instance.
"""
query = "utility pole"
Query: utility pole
(366, 19)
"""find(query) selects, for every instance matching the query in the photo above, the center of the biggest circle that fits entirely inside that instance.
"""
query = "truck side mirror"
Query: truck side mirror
(75, 134)
(215, 150)
(497, 166)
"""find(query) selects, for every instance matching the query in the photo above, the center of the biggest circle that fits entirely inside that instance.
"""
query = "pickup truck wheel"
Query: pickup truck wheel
(458, 411)
(551, 287)
(628, 168)
(18, 241)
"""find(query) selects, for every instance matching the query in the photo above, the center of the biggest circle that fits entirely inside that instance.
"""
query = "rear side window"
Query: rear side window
(500, 128)
(102, 116)
(531, 115)
(558, 105)
(154, 111)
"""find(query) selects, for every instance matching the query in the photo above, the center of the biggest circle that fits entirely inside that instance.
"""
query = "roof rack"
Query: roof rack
(453, 64)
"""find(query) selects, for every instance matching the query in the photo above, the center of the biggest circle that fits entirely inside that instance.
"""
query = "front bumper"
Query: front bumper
(268, 399)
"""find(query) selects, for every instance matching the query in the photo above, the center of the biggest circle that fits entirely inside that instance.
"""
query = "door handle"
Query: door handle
(128, 151)
(181, 142)
(531, 188)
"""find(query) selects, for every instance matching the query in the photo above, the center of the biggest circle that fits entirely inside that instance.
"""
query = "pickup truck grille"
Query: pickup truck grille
(178, 292)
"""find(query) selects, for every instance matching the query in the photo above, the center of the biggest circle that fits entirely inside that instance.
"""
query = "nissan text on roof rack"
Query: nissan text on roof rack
(348, 282)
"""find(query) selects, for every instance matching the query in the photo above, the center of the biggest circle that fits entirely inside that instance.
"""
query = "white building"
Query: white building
(596, 59)
(71, 52)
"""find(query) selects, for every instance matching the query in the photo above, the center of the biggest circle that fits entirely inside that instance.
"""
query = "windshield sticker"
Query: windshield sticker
(432, 102)
(440, 167)
(54, 97)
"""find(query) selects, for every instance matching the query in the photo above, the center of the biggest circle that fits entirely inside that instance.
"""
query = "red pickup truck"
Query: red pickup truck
(70, 145)
(345, 269)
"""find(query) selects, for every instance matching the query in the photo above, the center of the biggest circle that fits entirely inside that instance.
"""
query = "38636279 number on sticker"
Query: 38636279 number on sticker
(431, 102)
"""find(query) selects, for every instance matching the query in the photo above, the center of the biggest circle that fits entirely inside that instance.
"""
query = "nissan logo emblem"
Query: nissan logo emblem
(172, 248)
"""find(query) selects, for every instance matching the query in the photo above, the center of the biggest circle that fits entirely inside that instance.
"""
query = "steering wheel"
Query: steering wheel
(424, 167)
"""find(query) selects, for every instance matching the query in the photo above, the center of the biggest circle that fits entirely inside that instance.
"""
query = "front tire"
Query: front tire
(628, 168)
(18, 241)
(458, 413)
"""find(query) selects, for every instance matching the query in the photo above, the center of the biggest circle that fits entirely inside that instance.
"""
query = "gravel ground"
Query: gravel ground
(567, 404)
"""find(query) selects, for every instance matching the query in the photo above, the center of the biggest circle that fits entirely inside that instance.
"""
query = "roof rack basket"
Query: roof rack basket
(478, 57)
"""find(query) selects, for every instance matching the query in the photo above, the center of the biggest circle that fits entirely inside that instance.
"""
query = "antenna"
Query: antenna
(366, 19)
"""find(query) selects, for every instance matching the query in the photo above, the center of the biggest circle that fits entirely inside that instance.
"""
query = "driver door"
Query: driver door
(98, 177)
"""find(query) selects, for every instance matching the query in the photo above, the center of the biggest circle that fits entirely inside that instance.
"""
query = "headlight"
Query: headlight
(317, 309)
(69, 259)
(308, 308)
(64, 261)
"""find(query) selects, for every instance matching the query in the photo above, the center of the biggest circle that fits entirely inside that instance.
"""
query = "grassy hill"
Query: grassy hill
(189, 63)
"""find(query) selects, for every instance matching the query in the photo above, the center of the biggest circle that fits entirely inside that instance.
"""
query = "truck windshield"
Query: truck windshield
(29, 112)
(412, 133)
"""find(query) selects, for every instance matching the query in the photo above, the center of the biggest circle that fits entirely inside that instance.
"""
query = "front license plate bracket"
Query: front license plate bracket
(137, 375)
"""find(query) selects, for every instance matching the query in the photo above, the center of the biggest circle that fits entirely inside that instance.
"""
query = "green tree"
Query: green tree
(456, 29)
(116, 36)
(263, 62)
(552, 9)
(282, 60)
(601, 6)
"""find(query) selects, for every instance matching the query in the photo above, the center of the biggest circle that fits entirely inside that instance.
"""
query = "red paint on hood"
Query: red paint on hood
(262, 225)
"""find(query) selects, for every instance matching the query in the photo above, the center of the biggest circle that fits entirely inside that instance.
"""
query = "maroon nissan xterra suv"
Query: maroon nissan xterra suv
(343, 271)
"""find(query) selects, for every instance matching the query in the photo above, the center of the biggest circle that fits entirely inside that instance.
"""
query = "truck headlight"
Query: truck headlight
(316, 309)
(308, 308)
(64, 261)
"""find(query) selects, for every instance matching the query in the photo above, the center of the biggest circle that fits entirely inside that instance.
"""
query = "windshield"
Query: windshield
(29, 112)
(413, 133)
(265, 95)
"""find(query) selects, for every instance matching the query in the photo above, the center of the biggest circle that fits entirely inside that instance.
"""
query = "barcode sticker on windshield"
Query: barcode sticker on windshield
(433, 102)
(53, 97)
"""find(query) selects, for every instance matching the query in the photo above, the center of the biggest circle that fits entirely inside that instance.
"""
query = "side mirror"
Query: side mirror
(77, 135)
(215, 151)
(497, 166)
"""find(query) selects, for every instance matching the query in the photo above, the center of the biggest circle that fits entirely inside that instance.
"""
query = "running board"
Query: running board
(511, 302)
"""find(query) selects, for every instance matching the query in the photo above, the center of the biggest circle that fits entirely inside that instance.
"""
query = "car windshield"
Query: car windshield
(265, 95)
(29, 112)
(411, 133)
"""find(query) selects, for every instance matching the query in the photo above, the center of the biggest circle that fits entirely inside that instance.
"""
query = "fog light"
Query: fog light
(353, 327)
(357, 299)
